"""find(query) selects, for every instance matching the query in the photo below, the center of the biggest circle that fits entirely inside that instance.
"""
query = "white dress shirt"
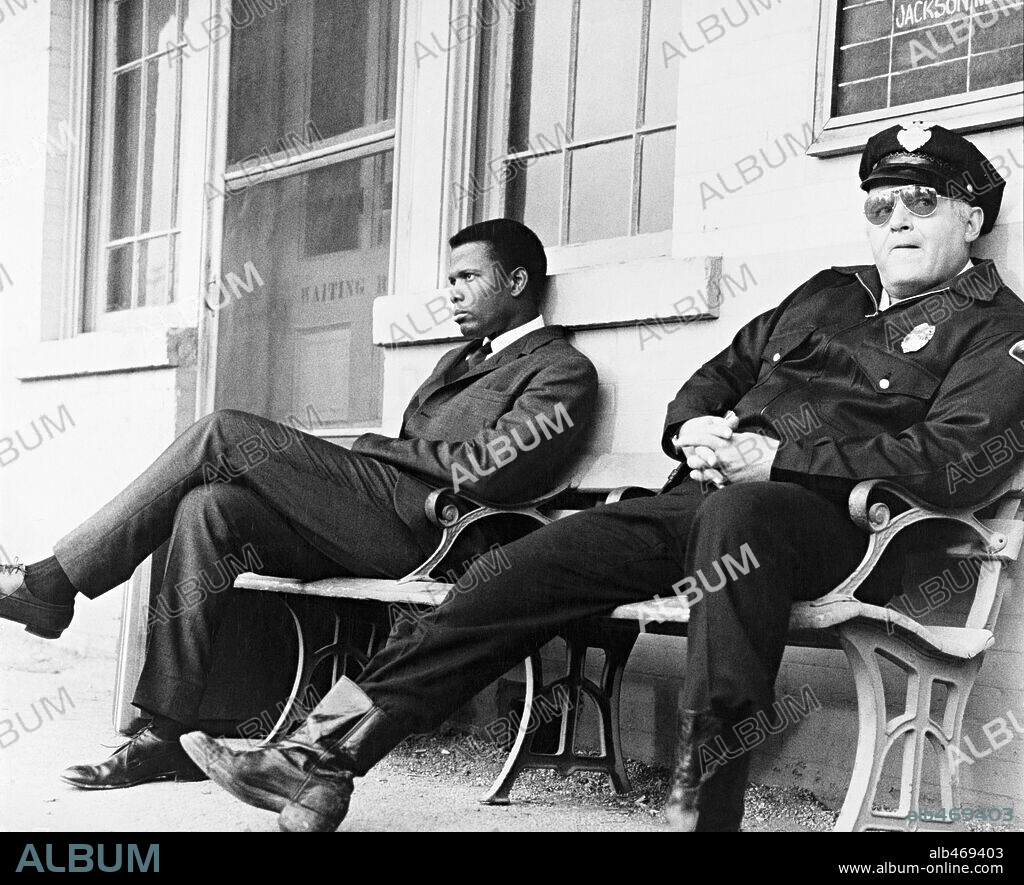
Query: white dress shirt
(885, 302)
(505, 339)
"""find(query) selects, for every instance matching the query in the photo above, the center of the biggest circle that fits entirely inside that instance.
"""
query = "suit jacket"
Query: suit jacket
(503, 432)
(927, 394)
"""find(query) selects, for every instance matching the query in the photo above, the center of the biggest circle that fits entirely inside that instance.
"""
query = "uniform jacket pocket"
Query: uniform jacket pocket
(892, 374)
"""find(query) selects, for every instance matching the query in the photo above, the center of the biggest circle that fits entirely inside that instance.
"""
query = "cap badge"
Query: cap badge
(1017, 352)
(918, 338)
(915, 135)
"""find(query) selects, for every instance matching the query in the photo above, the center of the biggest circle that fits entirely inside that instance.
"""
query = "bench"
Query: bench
(371, 604)
(940, 663)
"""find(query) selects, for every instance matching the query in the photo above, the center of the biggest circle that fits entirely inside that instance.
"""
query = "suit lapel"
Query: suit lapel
(439, 378)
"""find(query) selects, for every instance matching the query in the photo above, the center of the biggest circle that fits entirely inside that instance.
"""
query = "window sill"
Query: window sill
(107, 353)
(605, 296)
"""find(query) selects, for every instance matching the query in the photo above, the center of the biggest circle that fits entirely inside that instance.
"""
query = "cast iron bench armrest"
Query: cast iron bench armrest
(1001, 538)
(453, 512)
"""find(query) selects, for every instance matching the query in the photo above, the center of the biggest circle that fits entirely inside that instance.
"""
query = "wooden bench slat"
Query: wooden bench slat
(373, 589)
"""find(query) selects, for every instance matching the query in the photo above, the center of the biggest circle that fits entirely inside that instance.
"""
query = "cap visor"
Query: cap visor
(898, 174)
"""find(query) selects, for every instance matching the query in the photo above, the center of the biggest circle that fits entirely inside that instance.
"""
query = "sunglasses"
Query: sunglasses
(919, 200)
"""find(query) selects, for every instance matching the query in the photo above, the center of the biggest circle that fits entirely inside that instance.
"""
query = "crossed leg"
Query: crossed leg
(801, 545)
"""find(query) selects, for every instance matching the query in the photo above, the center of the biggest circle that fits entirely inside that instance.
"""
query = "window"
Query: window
(307, 194)
(955, 61)
(582, 115)
(148, 151)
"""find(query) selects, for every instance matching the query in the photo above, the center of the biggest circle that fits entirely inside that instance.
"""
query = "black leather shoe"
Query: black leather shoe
(19, 605)
(710, 777)
(307, 777)
(142, 759)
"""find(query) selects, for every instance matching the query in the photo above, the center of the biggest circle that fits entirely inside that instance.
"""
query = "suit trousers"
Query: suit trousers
(237, 493)
(786, 543)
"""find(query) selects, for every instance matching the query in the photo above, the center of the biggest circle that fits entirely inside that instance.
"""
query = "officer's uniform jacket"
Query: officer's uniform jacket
(928, 394)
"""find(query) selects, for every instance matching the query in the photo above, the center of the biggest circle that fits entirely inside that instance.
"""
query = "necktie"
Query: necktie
(479, 355)
(472, 361)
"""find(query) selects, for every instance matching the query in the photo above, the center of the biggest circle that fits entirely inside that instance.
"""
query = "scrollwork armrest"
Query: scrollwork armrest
(453, 512)
(876, 518)
(444, 507)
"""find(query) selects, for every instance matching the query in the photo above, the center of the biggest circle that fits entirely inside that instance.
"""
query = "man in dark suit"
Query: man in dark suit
(499, 417)
(909, 366)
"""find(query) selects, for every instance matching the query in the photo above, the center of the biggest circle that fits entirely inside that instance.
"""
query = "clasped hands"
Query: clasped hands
(716, 453)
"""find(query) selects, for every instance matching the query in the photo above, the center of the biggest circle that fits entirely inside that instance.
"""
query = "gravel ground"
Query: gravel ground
(428, 784)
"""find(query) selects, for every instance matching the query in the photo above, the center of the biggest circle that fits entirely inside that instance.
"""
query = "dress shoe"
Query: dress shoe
(307, 777)
(140, 760)
(710, 777)
(19, 605)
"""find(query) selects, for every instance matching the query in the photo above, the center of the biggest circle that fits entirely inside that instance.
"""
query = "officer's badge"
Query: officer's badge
(918, 338)
(915, 135)
(1017, 352)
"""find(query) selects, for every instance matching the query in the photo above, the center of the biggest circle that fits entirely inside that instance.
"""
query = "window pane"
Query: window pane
(124, 166)
(662, 79)
(302, 338)
(119, 278)
(895, 53)
(657, 189)
(129, 31)
(535, 196)
(607, 70)
(158, 172)
(153, 271)
(162, 28)
(601, 203)
(329, 64)
(540, 73)
(334, 209)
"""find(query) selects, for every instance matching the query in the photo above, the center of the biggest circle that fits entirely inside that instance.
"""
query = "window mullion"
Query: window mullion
(641, 119)
(314, 159)
(570, 121)
(140, 154)
(172, 241)
(105, 167)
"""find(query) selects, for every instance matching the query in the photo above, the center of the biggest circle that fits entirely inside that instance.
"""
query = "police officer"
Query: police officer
(909, 370)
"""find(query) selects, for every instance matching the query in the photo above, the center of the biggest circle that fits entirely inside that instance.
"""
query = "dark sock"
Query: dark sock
(168, 729)
(47, 582)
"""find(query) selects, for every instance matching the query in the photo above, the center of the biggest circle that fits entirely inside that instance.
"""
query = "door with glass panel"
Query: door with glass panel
(307, 220)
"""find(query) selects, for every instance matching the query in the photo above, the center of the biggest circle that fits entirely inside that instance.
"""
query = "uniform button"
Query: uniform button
(884, 384)
(777, 357)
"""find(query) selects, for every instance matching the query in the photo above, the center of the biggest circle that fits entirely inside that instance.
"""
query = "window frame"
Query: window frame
(991, 108)
(371, 140)
(179, 308)
(494, 114)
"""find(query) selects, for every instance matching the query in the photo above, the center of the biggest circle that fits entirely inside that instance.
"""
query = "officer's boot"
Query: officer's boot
(707, 795)
(308, 776)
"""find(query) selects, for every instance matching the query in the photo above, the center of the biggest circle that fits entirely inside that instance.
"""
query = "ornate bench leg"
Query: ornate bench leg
(616, 657)
(914, 730)
(299, 684)
(342, 650)
(498, 793)
(569, 692)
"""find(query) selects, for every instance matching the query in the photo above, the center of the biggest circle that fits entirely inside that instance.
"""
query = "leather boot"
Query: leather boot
(308, 776)
(710, 778)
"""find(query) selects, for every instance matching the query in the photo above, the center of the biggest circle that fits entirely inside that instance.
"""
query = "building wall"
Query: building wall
(750, 89)
(78, 419)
